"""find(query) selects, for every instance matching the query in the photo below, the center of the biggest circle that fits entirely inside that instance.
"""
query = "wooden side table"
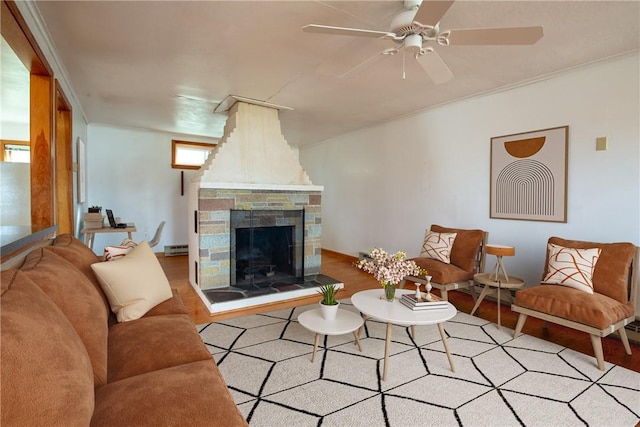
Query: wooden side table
(345, 322)
(493, 286)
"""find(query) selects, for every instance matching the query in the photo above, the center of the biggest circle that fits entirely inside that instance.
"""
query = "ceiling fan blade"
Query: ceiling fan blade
(342, 31)
(435, 67)
(496, 36)
(431, 12)
(371, 60)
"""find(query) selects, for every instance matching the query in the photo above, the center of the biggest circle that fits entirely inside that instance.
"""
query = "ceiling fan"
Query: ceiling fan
(420, 24)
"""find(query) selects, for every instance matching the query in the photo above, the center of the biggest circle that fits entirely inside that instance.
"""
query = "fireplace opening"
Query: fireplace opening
(267, 248)
(264, 252)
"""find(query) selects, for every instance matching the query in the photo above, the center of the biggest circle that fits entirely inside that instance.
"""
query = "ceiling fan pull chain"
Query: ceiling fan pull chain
(404, 76)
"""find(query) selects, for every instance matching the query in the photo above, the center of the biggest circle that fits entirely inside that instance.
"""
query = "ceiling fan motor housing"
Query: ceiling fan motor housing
(402, 24)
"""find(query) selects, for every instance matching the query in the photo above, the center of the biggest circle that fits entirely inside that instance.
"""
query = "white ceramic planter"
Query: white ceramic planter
(329, 312)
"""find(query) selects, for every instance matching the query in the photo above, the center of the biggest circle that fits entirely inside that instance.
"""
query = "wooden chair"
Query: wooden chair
(608, 309)
(467, 259)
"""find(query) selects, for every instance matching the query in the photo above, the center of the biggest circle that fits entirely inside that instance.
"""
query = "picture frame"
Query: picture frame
(528, 178)
(82, 172)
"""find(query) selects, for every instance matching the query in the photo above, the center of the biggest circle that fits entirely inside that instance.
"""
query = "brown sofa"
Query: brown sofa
(67, 361)
(467, 258)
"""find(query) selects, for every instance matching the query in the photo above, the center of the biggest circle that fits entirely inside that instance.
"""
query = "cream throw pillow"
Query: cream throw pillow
(133, 284)
(438, 246)
(572, 267)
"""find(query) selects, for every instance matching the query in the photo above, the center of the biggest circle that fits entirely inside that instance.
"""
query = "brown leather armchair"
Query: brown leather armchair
(608, 309)
(467, 259)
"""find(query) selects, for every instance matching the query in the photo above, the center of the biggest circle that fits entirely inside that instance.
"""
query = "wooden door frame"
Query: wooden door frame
(63, 182)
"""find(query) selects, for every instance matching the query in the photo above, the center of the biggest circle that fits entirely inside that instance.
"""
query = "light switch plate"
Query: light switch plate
(601, 143)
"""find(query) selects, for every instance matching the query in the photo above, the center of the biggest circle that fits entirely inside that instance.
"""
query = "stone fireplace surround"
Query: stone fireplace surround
(212, 272)
(214, 228)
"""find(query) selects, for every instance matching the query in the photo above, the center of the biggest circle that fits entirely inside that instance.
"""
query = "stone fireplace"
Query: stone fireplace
(252, 190)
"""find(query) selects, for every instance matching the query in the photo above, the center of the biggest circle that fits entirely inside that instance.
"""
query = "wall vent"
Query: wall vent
(633, 331)
(175, 250)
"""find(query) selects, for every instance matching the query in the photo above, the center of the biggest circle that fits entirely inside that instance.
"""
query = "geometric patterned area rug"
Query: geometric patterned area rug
(266, 362)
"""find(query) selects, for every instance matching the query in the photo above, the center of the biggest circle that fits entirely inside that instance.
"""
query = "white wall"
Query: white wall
(384, 185)
(129, 171)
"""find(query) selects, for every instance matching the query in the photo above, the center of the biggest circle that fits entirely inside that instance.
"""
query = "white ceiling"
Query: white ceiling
(166, 65)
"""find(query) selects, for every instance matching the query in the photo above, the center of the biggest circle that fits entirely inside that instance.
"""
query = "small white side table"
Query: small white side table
(345, 322)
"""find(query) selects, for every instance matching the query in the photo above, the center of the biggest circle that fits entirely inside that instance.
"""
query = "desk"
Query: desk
(90, 233)
(371, 304)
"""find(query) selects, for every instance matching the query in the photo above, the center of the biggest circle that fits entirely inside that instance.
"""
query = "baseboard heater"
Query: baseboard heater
(175, 250)
(633, 331)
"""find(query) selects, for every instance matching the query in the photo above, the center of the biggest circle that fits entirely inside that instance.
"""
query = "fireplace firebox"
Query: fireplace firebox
(267, 246)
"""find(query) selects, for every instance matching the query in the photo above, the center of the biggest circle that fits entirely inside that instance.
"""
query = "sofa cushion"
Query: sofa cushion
(173, 305)
(438, 246)
(611, 273)
(45, 375)
(465, 247)
(443, 273)
(595, 309)
(193, 394)
(133, 284)
(78, 254)
(152, 343)
(78, 299)
(571, 267)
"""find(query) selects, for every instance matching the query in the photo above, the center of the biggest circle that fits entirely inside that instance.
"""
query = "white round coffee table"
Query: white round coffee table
(345, 322)
(371, 304)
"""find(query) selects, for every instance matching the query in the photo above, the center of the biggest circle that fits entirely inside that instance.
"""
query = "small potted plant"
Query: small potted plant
(328, 303)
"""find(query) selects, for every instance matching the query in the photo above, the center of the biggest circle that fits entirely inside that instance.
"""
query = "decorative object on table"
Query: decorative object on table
(328, 303)
(93, 220)
(528, 175)
(389, 269)
(95, 209)
(425, 302)
(427, 286)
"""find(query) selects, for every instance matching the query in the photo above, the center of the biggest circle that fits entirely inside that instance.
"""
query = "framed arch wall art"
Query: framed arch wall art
(529, 175)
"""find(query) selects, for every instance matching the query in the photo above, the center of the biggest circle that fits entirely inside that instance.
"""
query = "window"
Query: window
(15, 151)
(189, 155)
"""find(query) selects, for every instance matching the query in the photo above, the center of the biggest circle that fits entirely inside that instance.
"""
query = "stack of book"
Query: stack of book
(425, 302)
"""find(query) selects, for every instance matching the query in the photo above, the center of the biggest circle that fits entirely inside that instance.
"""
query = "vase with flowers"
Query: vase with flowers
(389, 269)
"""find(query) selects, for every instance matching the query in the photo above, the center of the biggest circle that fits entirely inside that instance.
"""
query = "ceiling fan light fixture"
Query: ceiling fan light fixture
(413, 43)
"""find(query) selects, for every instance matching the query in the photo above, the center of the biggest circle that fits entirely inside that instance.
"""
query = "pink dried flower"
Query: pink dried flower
(389, 269)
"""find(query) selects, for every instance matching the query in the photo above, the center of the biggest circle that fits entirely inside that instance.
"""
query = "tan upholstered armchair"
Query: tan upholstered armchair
(604, 309)
(466, 258)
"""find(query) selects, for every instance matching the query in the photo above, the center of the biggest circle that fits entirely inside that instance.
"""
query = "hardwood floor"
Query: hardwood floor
(340, 266)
